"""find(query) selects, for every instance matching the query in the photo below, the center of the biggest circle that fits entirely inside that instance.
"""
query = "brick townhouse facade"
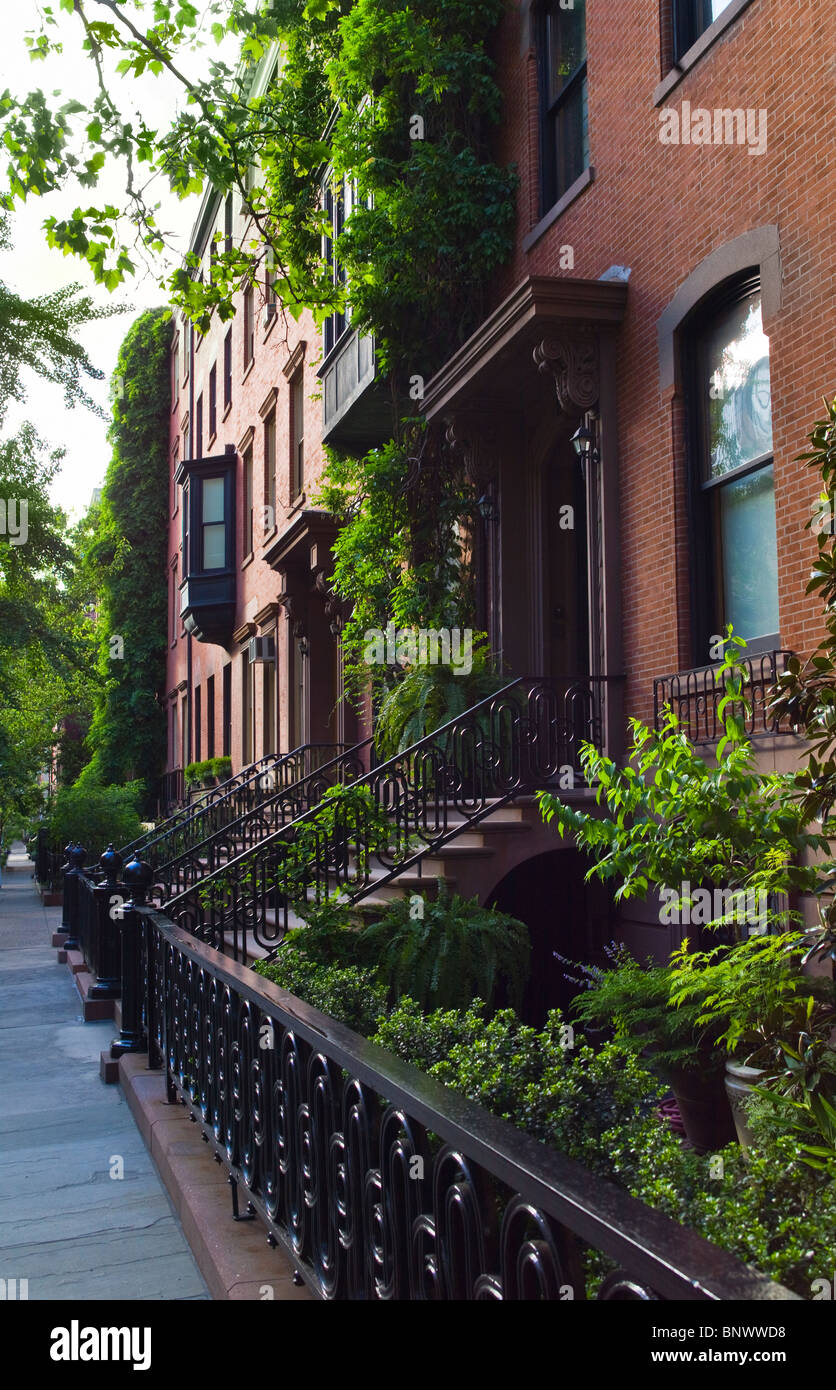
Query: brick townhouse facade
(670, 296)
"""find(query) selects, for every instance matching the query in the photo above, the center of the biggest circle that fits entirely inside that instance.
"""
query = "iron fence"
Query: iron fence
(695, 695)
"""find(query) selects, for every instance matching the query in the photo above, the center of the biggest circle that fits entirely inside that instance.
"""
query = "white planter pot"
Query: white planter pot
(740, 1081)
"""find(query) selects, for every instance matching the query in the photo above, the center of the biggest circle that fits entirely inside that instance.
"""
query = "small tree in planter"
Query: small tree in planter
(676, 820)
(806, 695)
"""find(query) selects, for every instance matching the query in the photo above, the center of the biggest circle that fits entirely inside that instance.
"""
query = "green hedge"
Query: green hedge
(597, 1105)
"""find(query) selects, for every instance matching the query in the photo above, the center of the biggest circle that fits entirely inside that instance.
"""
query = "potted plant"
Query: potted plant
(221, 768)
(636, 1001)
(191, 774)
(753, 996)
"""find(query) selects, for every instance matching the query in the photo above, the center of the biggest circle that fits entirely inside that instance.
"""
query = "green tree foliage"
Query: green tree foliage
(40, 335)
(125, 562)
(45, 639)
(399, 100)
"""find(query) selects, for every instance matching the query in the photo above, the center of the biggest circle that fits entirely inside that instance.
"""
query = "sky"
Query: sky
(31, 268)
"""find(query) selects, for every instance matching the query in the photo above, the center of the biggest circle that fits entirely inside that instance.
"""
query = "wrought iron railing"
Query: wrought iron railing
(229, 801)
(695, 695)
(295, 796)
(514, 742)
(49, 861)
(377, 1181)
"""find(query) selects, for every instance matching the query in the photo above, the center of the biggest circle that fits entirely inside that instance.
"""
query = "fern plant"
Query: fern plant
(429, 696)
(636, 1001)
(446, 952)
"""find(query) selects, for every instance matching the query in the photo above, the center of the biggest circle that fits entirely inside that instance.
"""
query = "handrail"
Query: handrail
(213, 805)
(380, 1182)
(512, 742)
(303, 787)
(185, 811)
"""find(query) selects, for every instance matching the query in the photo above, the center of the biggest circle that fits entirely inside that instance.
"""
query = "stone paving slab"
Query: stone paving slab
(66, 1225)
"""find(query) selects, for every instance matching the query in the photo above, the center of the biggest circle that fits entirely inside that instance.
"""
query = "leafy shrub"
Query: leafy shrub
(449, 952)
(96, 816)
(350, 995)
(221, 768)
(425, 1039)
(554, 1086)
(636, 1001)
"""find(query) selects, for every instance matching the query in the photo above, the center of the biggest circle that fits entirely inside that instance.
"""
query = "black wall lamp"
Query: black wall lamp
(583, 443)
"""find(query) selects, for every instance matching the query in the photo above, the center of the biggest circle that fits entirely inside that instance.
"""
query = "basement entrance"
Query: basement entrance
(563, 916)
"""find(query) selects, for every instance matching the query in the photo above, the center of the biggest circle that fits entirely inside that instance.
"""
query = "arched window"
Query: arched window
(729, 402)
(564, 143)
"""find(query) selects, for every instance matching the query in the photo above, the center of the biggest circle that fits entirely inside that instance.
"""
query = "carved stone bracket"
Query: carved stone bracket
(296, 612)
(336, 611)
(573, 361)
(476, 436)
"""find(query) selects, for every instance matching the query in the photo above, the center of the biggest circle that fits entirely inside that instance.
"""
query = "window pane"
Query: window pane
(750, 558)
(566, 44)
(213, 499)
(738, 388)
(572, 139)
(214, 550)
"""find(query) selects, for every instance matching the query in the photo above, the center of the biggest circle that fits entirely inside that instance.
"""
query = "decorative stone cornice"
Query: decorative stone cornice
(269, 402)
(295, 360)
(572, 359)
(266, 617)
(244, 632)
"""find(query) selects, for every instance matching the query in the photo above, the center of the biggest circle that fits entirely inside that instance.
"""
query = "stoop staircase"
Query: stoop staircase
(442, 809)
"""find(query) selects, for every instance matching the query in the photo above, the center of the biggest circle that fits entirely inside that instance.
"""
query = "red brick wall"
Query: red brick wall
(258, 584)
(661, 210)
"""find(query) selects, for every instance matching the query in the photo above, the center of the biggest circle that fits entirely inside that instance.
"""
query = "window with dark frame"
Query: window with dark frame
(175, 606)
(198, 721)
(213, 401)
(228, 369)
(297, 435)
(270, 471)
(248, 500)
(691, 18)
(337, 198)
(175, 371)
(226, 714)
(210, 717)
(198, 427)
(249, 326)
(734, 556)
(564, 135)
(215, 538)
(228, 224)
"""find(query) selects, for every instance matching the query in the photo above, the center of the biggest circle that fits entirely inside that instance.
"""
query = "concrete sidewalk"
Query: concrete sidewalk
(68, 1224)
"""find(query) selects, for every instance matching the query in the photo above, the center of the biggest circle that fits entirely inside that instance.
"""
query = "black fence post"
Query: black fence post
(107, 945)
(76, 856)
(138, 876)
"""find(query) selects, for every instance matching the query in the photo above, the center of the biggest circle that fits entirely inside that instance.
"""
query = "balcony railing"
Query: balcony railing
(695, 695)
(355, 412)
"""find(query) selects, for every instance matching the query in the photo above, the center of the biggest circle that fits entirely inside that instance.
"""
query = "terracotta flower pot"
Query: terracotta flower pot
(704, 1108)
(739, 1082)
